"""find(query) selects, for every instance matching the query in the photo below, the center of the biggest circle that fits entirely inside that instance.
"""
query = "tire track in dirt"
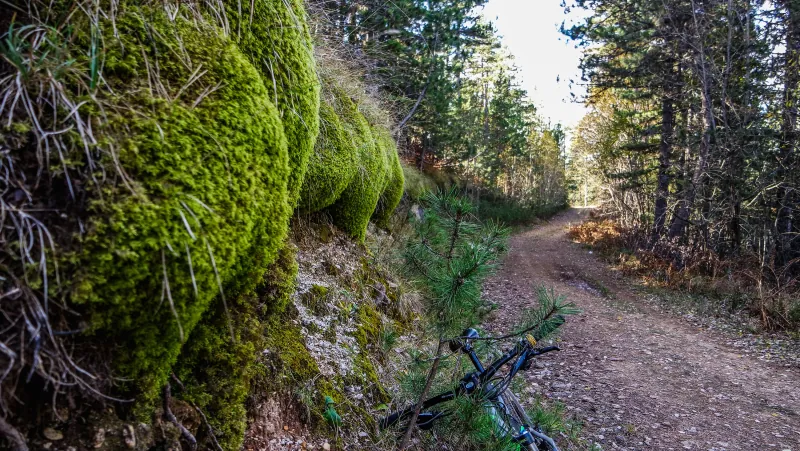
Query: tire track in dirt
(637, 377)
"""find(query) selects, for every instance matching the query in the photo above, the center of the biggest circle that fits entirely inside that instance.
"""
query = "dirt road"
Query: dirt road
(640, 378)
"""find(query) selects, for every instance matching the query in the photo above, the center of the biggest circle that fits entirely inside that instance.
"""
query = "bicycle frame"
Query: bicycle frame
(521, 354)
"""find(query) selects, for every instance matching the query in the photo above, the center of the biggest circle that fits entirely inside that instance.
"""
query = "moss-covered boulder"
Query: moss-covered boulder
(354, 208)
(205, 203)
(334, 161)
(393, 191)
(274, 35)
(218, 373)
(355, 172)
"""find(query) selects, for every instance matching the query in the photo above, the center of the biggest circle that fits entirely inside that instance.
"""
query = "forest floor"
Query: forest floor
(638, 376)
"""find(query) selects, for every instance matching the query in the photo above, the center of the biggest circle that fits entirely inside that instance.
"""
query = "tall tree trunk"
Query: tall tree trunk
(787, 199)
(684, 212)
(686, 205)
(664, 155)
(682, 174)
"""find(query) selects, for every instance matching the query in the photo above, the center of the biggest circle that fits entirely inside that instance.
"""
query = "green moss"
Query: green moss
(355, 206)
(367, 336)
(354, 169)
(369, 326)
(316, 299)
(417, 183)
(334, 161)
(274, 35)
(293, 363)
(319, 291)
(205, 200)
(393, 191)
(279, 282)
(218, 372)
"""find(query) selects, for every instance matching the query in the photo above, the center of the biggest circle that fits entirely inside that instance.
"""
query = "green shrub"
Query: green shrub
(209, 191)
(275, 36)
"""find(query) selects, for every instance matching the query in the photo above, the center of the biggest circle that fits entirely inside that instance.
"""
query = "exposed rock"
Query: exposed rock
(53, 434)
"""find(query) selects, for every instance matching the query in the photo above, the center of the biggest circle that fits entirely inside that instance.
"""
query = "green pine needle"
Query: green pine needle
(548, 316)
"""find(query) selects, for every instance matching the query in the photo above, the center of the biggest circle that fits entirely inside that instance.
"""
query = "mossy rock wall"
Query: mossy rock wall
(209, 203)
(333, 163)
(274, 35)
(204, 126)
(355, 172)
(393, 192)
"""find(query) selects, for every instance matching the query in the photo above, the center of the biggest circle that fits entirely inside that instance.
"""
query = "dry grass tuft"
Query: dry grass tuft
(348, 69)
(45, 101)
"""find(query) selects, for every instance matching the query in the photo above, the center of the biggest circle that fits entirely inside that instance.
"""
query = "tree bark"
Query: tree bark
(664, 155)
(787, 199)
(428, 382)
(681, 222)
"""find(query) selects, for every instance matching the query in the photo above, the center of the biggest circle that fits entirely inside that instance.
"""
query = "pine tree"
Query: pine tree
(450, 256)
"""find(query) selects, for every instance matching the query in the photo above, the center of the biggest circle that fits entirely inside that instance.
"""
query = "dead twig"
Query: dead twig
(185, 434)
(208, 426)
(13, 436)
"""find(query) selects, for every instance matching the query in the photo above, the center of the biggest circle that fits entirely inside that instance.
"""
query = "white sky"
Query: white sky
(530, 29)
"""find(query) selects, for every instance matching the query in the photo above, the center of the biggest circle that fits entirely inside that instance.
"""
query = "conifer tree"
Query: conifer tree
(700, 137)
(450, 256)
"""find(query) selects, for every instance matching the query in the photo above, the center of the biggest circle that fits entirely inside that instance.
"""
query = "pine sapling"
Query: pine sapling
(450, 256)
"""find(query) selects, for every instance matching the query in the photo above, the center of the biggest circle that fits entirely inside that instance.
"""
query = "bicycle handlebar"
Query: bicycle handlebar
(523, 351)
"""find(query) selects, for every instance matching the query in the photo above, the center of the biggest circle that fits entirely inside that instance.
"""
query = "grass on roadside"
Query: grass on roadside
(707, 285)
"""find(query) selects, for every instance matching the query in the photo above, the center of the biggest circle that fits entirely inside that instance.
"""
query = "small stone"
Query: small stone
(47, 445)
(99, 438)
(285, 427)
(53, 434)
(326, 446)
(129, 435)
